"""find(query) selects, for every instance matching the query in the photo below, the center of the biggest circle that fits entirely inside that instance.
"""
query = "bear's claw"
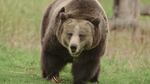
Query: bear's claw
(55, 80)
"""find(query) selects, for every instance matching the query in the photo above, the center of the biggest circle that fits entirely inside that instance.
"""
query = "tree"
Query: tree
(125, 15)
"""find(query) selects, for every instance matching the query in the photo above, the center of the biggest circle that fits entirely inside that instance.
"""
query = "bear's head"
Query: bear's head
(77, 35)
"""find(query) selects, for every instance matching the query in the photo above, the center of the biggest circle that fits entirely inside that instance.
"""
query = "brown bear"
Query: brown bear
(73, 31)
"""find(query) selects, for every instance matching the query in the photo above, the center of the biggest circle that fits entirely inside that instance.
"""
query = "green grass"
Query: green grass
(20, 66)
(145, 2)
(126, 62)
(108, 6)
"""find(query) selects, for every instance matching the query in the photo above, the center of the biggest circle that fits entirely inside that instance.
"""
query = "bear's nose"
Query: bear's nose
(73, 47)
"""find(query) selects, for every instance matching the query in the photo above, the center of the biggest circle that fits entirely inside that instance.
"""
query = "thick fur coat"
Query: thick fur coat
(54, 56)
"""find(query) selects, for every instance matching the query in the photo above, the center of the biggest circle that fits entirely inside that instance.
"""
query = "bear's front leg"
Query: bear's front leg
(84, 71)
(51, 66)
(95, 78)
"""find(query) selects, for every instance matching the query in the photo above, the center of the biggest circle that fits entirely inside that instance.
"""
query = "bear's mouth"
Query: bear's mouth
(75, 54)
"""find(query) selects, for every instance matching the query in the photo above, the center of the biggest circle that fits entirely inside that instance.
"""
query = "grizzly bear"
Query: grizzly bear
(73, 31)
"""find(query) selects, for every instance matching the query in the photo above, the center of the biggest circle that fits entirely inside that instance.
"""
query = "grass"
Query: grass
(127, 61)
(145, 2)
(20, 66)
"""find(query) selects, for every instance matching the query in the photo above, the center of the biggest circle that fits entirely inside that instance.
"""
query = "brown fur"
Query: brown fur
(55, 56)
(77, 35)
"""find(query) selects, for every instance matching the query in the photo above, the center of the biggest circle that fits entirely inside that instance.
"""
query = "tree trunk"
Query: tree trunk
(126, 13)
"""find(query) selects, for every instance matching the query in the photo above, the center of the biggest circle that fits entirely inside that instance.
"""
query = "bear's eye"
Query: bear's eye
(69, 34)
(81, 36)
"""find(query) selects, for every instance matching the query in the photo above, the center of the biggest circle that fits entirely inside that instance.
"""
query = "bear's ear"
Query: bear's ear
(63, 16)
(96, 22)
(62, 10)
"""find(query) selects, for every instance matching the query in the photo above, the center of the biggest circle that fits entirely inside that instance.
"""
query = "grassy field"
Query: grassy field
(127, 61)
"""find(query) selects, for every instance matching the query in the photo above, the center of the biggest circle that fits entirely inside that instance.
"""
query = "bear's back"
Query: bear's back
(77, 9)
(84, 8)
